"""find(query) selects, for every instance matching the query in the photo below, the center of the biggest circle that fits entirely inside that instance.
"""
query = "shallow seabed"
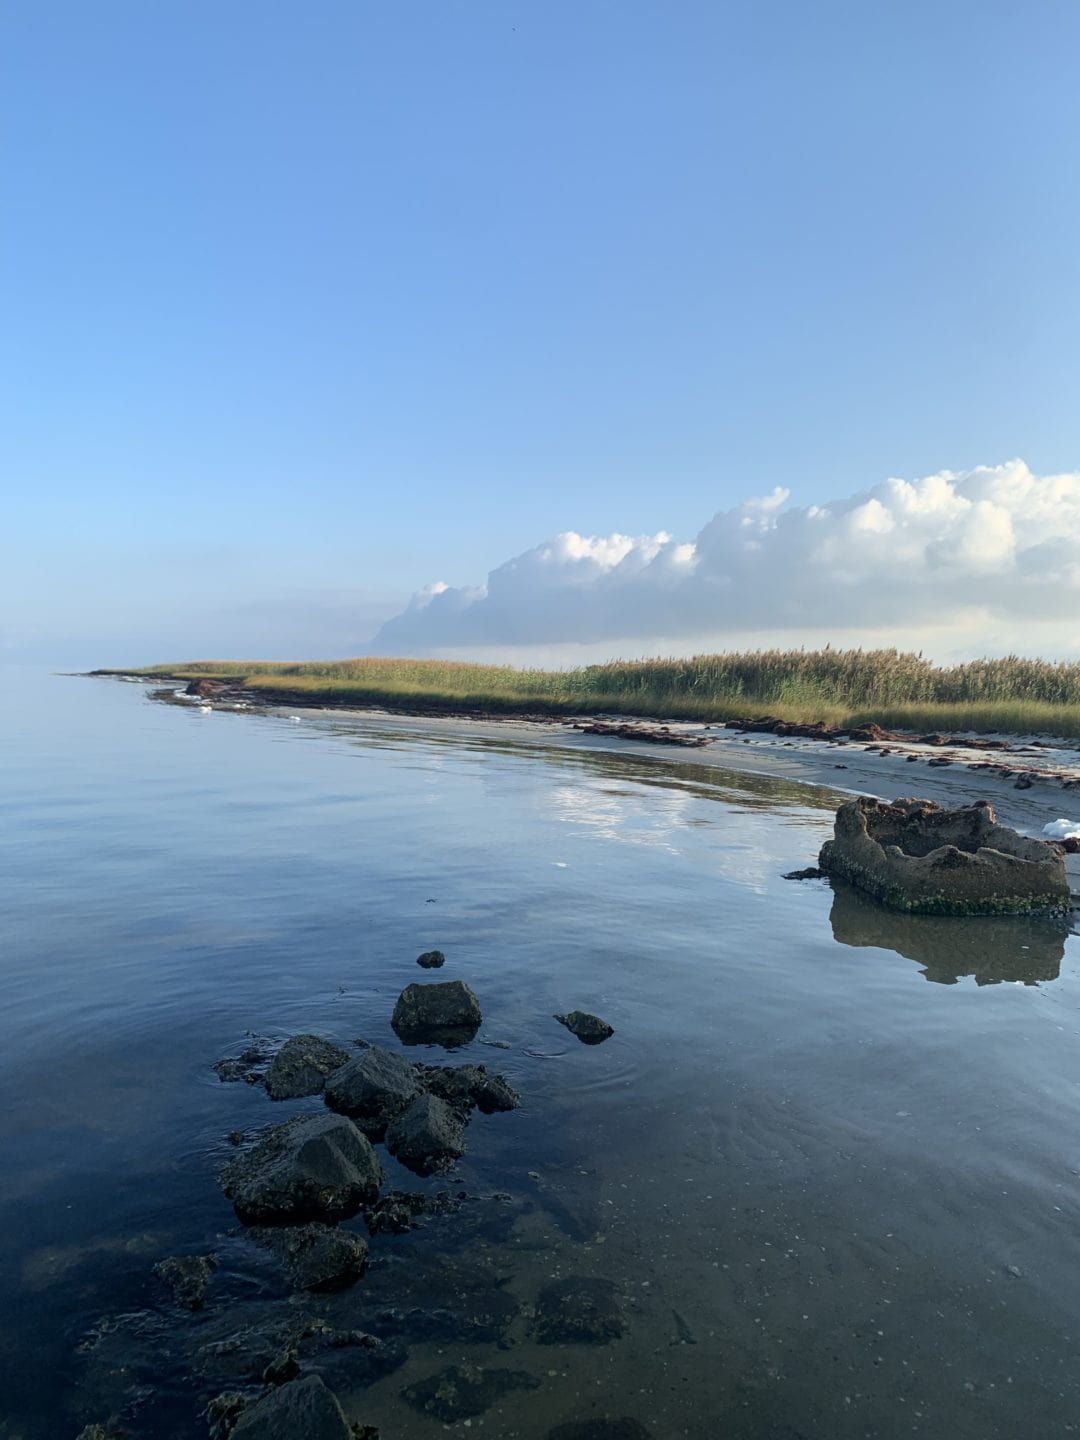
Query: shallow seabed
(829, 1157)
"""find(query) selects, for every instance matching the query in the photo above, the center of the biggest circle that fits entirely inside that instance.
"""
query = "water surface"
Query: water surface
(829, 1158)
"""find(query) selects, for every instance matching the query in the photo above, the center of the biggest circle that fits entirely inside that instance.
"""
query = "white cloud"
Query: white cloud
(974, 551)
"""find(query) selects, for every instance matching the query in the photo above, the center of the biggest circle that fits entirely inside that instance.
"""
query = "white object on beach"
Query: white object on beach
(1062, 830)
(205, 709)
(295, 719)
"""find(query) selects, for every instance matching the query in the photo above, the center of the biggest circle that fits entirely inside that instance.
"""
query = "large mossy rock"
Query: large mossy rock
(439, 1014)
(313, 1167)
(374, 1089)
(914, 855)
(301, 1066)
(428, 1136)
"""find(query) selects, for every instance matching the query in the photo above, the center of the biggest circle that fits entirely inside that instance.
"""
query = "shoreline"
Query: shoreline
(1031, 781)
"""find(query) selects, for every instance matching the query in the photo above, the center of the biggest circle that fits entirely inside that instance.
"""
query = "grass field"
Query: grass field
(1011, 695)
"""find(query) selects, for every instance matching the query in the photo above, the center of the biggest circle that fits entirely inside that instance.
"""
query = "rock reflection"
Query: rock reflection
(1025, 950)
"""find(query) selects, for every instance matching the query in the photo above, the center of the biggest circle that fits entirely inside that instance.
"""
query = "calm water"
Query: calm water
(831, 1159)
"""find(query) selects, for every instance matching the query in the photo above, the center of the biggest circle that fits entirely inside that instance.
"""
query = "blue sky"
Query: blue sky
(307, 306)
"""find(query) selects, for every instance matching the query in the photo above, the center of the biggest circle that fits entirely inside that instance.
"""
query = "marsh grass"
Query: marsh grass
(1011, 695)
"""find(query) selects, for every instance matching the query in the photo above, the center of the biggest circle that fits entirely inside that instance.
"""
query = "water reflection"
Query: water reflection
(703, 778)
(1025, 950)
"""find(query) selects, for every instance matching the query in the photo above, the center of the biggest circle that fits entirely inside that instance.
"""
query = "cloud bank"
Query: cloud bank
(996, 544)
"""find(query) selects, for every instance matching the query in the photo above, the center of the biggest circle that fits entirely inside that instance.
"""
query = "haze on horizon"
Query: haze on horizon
(596, 330)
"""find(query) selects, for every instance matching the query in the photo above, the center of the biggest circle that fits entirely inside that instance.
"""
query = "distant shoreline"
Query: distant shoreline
(822, 694)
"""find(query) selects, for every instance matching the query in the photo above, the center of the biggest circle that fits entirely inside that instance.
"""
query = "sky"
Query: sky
(309, 309)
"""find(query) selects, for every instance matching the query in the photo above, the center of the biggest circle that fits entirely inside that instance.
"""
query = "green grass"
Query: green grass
(1012, 695)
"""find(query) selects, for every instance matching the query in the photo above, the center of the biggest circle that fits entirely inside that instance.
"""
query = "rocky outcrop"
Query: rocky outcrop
(914, 855)
(446, 1013)
(374, 1089)
(301, 1066)
(317, 1167)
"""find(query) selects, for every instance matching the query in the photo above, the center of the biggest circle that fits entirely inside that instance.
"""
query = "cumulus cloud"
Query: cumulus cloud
(997, 544)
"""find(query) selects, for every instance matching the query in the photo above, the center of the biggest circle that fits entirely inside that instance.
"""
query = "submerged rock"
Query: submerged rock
(578, 1310)
(188, 1277)
(317, 1257)
(428, 1136)
(245, 1066)
(431, 960)
(397, 1211)
(301, 1066)
(811, 872)
(913, 855)
(446, 1013)
(318, 1166)
(374, 1089)
(461, 1391)
(588, 1028)
(303, 1409)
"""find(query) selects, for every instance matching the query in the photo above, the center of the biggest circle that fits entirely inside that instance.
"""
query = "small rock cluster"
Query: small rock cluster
(293, 1184)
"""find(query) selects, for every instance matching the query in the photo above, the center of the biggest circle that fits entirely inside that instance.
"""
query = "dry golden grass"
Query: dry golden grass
(1012, 695)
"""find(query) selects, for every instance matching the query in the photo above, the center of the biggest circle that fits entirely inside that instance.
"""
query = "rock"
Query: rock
(578, 1311)
(96, 1432)
(374, 1089)
(461, 1391)
(654, 734)
(301, 1066)
(445, 1014)
(915, 856)
(588, 1028)
(810, 873)
(475, 1318)
(397, 1211)
(188, 1277)
(869, 733)
(317, 1257)
(303, 1409)
(282, 1369)
(427, 1137)
(431, 960)
(318, 1166)
(601, 1429)
(245, 1066)
(222, 1413)
(465, 1086)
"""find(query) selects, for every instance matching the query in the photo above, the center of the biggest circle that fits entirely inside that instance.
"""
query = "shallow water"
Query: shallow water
(829, 1157)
